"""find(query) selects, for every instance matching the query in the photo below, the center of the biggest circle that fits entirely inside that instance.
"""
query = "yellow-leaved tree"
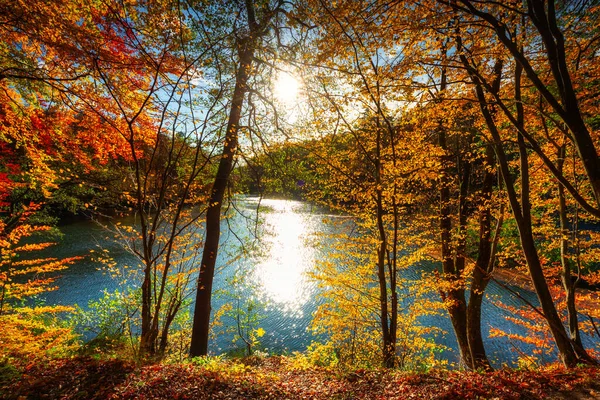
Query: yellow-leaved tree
(29, 331)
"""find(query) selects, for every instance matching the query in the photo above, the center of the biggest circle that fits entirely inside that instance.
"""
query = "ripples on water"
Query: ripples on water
(282, 269)
(277, 266)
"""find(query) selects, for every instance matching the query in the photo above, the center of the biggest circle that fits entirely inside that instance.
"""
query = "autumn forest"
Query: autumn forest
(456, 138)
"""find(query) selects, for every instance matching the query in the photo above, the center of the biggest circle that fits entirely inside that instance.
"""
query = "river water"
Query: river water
(287, 251)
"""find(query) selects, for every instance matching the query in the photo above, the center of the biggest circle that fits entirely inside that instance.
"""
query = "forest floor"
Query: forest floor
(279, 378)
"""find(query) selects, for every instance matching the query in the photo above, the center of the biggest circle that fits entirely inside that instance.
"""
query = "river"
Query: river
(287, 252)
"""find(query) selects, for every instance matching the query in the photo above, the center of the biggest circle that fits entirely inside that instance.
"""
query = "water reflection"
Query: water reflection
(278, 268)
(285, 259)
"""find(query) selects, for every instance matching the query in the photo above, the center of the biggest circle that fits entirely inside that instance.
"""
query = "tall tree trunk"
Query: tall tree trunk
(452, 264)
(486, 249)
(561, 339)
(245, 48)
(393, 272)
(147, 335)
(569, 283)
(483, 268)
(389, 345)
(202, 309)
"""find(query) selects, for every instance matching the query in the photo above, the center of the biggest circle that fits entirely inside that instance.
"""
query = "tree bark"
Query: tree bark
(452, 264)
(561, 339)
(202, 309)
(389, 345)
(569, 284)
(483, 268)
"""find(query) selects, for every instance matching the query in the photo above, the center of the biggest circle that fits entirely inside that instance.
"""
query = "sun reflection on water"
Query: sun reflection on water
(287, 257)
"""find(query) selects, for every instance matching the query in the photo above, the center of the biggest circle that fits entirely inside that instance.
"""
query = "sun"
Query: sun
(286, 88)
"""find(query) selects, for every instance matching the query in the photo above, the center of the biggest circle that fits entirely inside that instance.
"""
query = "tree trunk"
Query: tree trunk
(561, 339)
(541, 288)
(452, 266)
(389, 345)
(454, 297)
(568, 284)
(566, 276)
(147, 337)
(172, 311)
(202, 309)
(483, 268)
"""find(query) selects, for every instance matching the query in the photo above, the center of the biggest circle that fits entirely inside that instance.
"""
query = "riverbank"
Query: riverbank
(283, 378)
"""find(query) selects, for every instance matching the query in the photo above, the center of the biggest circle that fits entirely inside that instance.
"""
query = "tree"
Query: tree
(367, 158)
(247, 40)
(126, 72)
(40, 273)
(571, 351)
(460, 167)
(168, 149)
(545, 19)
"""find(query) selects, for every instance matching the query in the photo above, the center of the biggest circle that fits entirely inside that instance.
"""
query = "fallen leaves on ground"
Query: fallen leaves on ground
(276, 378)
